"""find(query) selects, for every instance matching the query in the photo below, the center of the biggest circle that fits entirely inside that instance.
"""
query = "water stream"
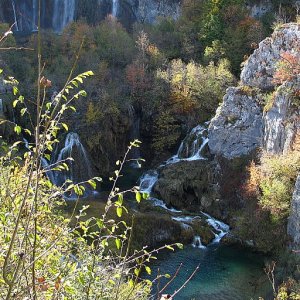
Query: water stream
(63, 13)
(225, 272)
(115, 7)
(15, 15)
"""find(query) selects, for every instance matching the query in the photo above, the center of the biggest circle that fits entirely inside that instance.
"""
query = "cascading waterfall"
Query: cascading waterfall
(192, 146)
(115, 8)
(75, 156)
(220, 228)
(190, 149)
(197, 242)
(63, 14)
(15, 15)
(80, 168)
(148, 180)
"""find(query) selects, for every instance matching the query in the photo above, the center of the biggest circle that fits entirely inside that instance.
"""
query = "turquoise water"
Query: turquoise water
(224, 273)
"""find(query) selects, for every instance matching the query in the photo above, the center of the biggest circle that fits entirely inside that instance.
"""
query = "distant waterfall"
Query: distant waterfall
(63, 14)
(34, 15)
(115, 8)
(80, 168)
(15, 15)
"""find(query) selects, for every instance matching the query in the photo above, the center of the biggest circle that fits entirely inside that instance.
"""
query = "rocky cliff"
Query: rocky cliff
(56, 14)
(263, 112)
(240, 126)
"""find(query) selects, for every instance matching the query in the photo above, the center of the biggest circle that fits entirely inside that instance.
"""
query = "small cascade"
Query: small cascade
(115, 8)
(221, 228)
(147, 181)
(15, 15)
(197, 242)
(80, 168)
(63, 14)
(192, 146)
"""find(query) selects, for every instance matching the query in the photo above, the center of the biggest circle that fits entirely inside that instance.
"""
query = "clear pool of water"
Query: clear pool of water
(225, 273)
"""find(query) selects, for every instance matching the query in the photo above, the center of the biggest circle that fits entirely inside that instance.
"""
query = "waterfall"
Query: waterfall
(15, 15)
(34, 15)
(192, 146)
(63, 14)
(220, 227)
(147, 181)
(197, 242)
(115, 8)
(80, 168)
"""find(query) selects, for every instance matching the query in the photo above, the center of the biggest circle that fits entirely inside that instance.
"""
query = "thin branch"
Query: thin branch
(186, 282)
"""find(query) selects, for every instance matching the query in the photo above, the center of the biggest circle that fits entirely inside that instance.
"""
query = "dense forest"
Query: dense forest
(133, 129)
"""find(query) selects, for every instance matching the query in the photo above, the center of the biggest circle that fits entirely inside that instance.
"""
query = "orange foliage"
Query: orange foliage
(288, 67)
(136, 77)
(250, 188)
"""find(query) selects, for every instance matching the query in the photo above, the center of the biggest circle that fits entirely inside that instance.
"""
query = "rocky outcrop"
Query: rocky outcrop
(236, 129)
(149, 11)
(239, 126)
(259, 69)
(294, 218)
(281, 121)
(187, 184)
(260, 8)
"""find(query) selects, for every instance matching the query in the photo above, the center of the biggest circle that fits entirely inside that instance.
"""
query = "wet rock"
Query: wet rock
(185, 184)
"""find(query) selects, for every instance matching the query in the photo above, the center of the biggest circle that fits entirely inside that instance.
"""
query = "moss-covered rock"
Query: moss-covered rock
(187, 185)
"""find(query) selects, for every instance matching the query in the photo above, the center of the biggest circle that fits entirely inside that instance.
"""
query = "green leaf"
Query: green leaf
(23, 111)
(138, 197)
(118, 244)
(136, 272)
(17, 129)
(65, 126)
(119, 212)
(92, 183)
(131, 283)
(120, 199)
(179, 245)
(169, 247)
(148, 270)
(15, 90)
(15, 103)
(27, 131)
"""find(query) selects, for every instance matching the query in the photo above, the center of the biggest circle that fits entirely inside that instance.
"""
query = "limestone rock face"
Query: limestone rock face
(280, 121)
(294, 218)
(260, 67)
(236, 129)
(149, 10)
